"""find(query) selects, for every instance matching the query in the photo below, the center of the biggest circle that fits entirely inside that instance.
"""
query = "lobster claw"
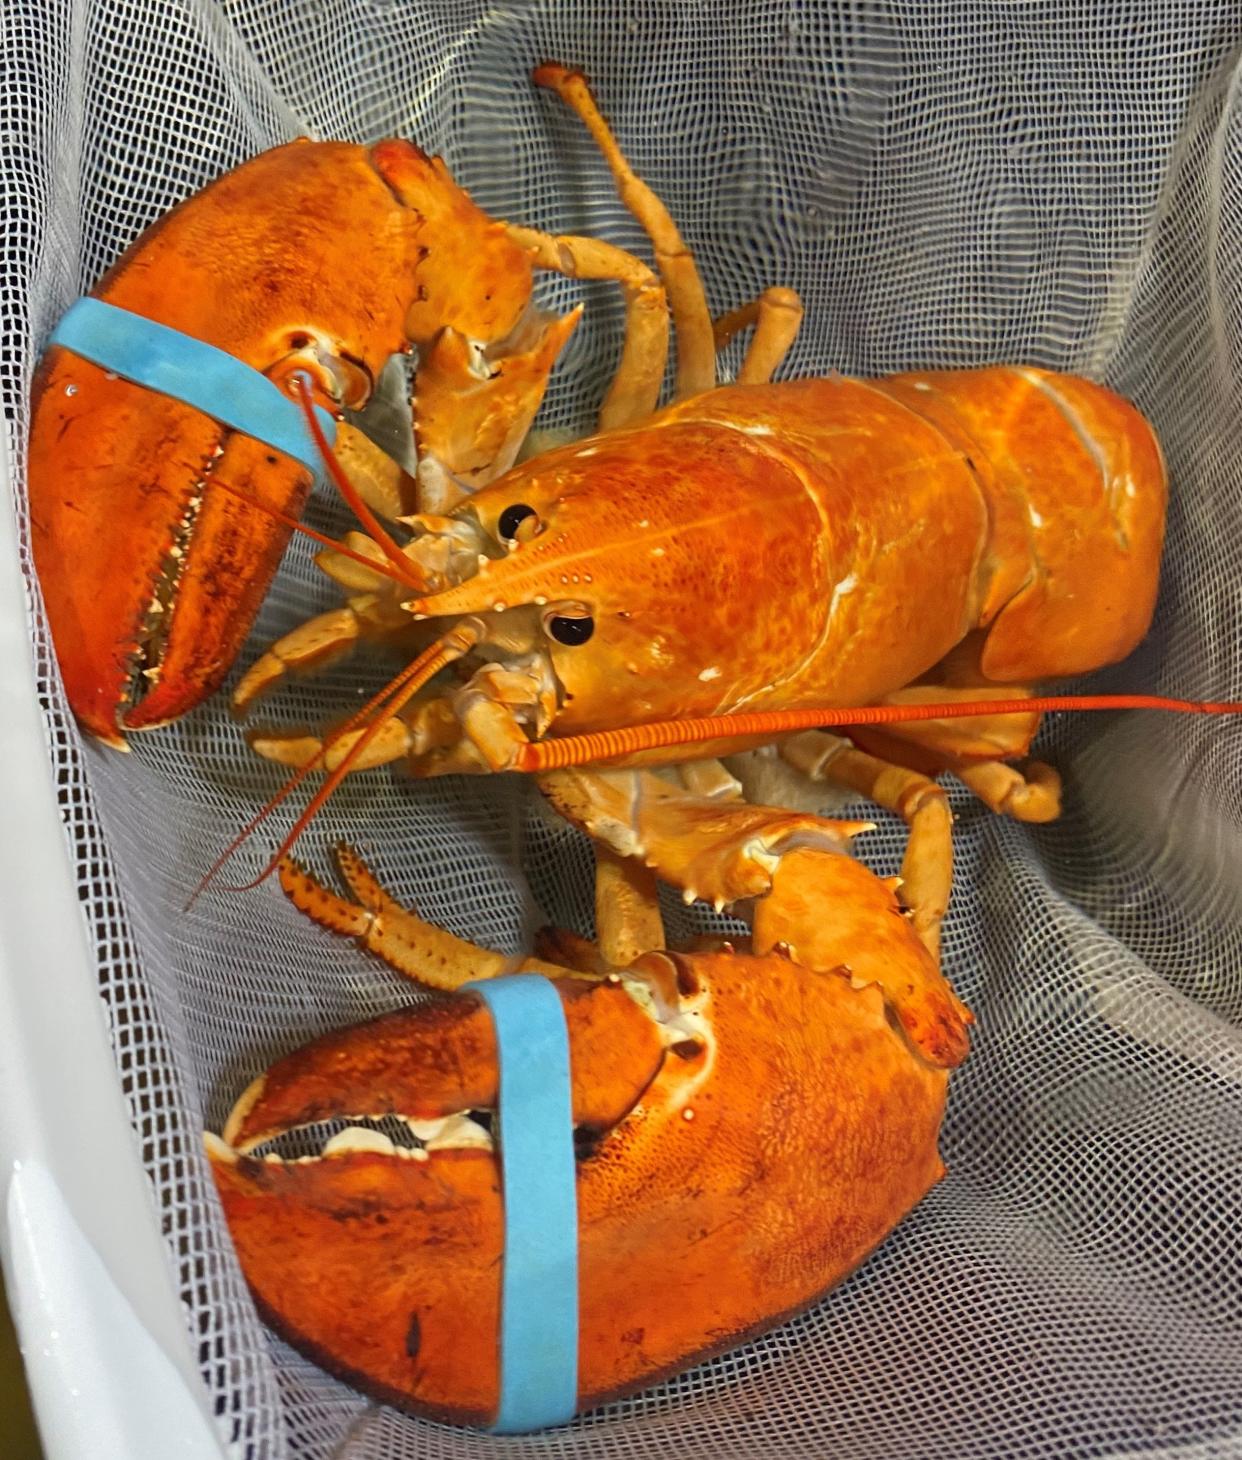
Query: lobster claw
(151, 578)
(746, 1132)
(150, 581)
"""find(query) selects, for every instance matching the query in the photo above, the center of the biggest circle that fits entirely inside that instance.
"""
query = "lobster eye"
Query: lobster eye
(570, 630)
(512, 518)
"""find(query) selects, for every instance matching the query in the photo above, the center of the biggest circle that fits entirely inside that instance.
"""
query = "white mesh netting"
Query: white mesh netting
(945, 183)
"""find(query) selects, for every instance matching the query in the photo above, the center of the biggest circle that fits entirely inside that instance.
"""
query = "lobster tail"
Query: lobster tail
(1076, 489)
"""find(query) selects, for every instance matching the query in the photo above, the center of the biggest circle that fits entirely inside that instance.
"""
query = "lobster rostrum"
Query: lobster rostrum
(750, 1121)
(156, 529)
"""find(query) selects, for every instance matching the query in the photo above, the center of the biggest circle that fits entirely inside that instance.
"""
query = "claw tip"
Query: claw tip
(218, 1150)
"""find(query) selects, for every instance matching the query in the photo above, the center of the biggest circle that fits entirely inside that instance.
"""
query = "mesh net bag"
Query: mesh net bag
(946, 184)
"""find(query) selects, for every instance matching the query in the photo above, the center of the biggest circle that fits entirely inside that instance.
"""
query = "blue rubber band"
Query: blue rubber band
(200, 375)
(539, 1282)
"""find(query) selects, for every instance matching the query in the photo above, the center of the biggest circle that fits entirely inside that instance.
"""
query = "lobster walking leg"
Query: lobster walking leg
(976, 751)
(696, 350)
(776, 317)
(1029, 793)
(635, 389)
(312, 646)
(927, 866)
(627, 912)
(421, 951)
(710, 778)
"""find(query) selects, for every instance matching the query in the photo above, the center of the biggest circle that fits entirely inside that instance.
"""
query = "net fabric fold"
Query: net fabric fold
(945, 184)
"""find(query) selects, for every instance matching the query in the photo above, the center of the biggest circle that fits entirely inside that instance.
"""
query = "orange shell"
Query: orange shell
(762, 1162)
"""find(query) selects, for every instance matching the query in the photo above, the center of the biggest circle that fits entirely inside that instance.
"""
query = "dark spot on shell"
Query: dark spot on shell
(586, 1143)
(687, 984)
(271, 461)
(687, 1049)
(413, 1336)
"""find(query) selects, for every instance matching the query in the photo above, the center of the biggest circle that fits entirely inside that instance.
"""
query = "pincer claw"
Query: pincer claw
(156, 526)
(746, 1131)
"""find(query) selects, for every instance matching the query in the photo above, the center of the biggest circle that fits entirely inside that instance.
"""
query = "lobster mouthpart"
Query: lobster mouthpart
(747, 1131)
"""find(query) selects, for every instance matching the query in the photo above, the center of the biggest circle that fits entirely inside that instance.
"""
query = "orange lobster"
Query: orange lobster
(755, 554)
(758, 554)
(749, 1123)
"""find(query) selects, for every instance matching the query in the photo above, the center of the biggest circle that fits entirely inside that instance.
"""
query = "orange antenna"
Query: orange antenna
(573, 750)
(407, 578)
(388, 702)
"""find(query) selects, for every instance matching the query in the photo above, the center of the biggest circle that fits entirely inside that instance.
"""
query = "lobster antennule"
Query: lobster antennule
(605, 745)
(392, 698)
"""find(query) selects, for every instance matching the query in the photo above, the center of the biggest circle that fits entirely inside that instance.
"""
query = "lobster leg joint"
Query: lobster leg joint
(927, 866)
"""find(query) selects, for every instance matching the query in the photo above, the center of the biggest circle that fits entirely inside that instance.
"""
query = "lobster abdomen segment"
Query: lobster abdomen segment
(1010, 499)
(1076, 490)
